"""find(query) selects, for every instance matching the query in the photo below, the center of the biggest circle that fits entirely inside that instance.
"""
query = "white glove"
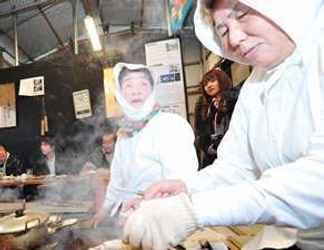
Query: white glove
(160, 223)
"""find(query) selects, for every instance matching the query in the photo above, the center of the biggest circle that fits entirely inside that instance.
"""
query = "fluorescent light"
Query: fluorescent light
(92, 32)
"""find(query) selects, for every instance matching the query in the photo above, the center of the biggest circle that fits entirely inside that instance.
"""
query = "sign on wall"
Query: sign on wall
(33, 86)
(7, 105)
(165, 60)
(82, 105)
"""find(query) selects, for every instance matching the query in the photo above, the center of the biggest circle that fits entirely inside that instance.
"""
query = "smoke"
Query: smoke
(9, 194)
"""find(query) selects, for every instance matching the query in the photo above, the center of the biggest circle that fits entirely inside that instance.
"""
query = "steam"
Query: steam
(74, 144)
(9, 195)
(77, 141)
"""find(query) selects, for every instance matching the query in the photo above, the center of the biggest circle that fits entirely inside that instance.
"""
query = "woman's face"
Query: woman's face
(136, 88)
(212, 88)
(249, 37)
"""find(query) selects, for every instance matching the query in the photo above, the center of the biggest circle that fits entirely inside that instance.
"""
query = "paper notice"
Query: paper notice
(32, 86)
(82, 105)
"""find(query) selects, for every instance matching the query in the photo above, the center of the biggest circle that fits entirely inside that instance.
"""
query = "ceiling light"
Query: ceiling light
(93, 33)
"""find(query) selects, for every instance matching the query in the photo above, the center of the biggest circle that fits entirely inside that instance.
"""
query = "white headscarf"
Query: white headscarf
(130, 111)
(301, 20)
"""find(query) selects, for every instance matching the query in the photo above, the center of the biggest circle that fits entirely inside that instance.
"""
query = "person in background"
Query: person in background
(151, 145)
(100, 162)
(49, 160)
(102, 156)
(9, 163)
(270, 164)
(213, 114)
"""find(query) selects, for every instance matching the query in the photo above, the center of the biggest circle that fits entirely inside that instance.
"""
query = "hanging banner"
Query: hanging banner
(7, 105)
(164, 59)
(82, 105)
(33, 86)
(178, 11)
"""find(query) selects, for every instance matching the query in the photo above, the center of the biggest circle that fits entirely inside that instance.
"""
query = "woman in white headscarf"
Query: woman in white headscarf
(151, 145)
(270, 166)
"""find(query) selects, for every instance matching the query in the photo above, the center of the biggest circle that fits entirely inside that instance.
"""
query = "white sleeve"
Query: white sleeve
(291, 194)
(177, 153)
(235, 162)
(279, 197)
(113, 196)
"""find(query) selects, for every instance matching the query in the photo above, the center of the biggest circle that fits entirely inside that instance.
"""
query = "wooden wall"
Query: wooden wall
(62, 77)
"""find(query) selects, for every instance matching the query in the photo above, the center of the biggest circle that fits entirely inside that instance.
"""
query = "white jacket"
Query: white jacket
(163, 149)
(270, 166)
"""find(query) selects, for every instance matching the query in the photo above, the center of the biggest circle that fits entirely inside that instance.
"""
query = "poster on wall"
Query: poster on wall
(113, 110)
(33, 86)
(170, 89)
(7, 105)
(82, 105)
(164, 59)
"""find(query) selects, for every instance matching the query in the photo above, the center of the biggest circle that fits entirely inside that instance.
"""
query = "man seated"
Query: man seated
(9, 163)
(100, 160)
(102, 156)
(49, 161)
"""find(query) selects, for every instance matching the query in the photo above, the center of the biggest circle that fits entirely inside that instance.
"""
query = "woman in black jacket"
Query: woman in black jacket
(213, 112)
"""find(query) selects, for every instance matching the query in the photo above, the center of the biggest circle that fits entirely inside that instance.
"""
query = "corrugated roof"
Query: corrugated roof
(44, 25)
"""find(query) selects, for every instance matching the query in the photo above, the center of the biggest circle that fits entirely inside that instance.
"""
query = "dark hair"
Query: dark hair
(109, 131)
(125, 71)
(3, 146)
(209, 4)
(223, 79)
(47, 140)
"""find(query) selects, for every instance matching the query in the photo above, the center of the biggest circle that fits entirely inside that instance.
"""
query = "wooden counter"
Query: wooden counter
(9, 181)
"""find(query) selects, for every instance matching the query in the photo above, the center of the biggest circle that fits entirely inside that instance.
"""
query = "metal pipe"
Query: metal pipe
(16, 40)
(75, 26)
(168, 18)
(203, 59)
(142, 13)
(51, 27)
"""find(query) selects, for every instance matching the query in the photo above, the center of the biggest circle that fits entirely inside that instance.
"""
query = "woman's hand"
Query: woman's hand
(131, 204)
(127, 209)
(164, 189)
(160, 189)
(99, 217)
(160, 223)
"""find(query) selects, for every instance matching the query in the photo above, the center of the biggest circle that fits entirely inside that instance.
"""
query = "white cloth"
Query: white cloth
(160, 223)
(128, 109)
(163, 149)
(51, 165)
(299, 24)
(270, 236)
(270, 166)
